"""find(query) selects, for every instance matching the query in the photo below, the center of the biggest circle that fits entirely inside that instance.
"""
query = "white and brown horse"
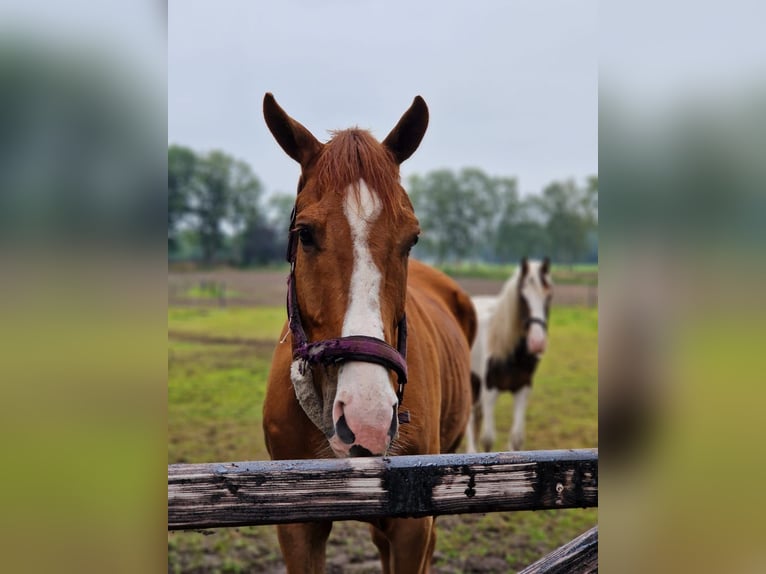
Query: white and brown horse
(511, 339)
(337, 380)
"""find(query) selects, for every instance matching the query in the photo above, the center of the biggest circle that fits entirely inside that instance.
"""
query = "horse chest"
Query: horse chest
(512, 372)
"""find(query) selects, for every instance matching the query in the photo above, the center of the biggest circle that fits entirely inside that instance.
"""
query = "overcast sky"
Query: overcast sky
(512, 87)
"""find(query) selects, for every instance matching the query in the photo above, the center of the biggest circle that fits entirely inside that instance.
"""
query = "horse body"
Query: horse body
(352, 284)
(439, 303)
(511, 339)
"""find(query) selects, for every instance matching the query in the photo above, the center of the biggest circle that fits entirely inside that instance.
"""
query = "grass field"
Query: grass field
(218, 361)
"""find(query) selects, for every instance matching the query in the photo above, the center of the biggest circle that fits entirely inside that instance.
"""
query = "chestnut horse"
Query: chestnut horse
(337, 380)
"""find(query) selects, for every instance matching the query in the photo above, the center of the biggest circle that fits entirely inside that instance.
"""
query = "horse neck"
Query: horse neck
(505, 327)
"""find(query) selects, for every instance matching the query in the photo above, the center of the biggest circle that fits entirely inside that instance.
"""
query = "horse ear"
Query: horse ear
(546, 266)
(524, 266)
(405, 138)
(296, 140)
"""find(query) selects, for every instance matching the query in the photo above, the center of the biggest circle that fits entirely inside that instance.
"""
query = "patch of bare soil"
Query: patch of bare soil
(268, 288)
(265, 346)
(586, 295)
(349, 551)
(239, 288)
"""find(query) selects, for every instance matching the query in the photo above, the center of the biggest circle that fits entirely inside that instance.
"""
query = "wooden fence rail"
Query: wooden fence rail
(578, 556)
(272, 492)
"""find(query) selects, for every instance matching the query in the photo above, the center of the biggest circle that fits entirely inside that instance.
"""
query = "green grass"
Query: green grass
(563, 408)
(218, 361)
(262, 323)
(215, 396)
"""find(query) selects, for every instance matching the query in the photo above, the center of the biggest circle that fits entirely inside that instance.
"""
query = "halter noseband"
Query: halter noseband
(537, 320)
(351, 348)
(529, 321)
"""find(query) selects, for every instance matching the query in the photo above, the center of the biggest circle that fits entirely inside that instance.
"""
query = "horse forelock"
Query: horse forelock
(352, 156)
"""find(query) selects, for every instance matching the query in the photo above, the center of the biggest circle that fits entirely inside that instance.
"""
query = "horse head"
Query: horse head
(351, 233)
(535, 290)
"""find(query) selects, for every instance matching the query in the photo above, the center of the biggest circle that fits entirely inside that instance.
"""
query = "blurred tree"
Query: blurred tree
(254, 239)
(226, 194)
(187, 245)
(245, 191)
(457, 212)
(436, 200)
(590, 201)
(182, 163)
(210, 202)
(483, 199)
(279, 207)
(522, 231)
(259, 244)
(566, 226)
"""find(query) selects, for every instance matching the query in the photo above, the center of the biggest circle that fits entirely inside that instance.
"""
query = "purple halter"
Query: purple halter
(351, 348)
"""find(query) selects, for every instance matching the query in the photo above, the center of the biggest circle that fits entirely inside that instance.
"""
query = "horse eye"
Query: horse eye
(411, 245)
(306, 237)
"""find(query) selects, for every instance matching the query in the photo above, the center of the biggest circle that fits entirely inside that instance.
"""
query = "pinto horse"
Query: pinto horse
(363, 320)
(511, 340)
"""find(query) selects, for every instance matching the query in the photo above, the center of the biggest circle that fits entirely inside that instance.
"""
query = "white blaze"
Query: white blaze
(364, 389)
(533, 293)
(363, 316)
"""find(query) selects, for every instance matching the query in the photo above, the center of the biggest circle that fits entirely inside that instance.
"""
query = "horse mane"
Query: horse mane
(505, 328)
(353, 155)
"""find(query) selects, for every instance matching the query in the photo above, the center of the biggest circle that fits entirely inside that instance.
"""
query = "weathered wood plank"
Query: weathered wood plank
(579, 556)
(272, 492)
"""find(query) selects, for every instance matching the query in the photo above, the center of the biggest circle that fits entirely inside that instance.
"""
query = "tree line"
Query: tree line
(218, 213)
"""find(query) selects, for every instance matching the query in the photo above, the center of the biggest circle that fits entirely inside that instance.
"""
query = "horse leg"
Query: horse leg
(470, 430)
(411, 543)
(478, 418)
(380, 540)
(303, 546)
(431, 547)
(474, 418)
(488, 398)
(520, 399)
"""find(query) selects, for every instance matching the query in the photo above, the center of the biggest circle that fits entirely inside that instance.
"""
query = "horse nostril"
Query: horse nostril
(344, 432)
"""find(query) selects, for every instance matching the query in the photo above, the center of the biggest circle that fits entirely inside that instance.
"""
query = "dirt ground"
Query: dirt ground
(237, 288)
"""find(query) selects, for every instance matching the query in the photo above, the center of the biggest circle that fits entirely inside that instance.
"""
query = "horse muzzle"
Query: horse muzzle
(368, 441)
(537, 339)
(364, 412)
